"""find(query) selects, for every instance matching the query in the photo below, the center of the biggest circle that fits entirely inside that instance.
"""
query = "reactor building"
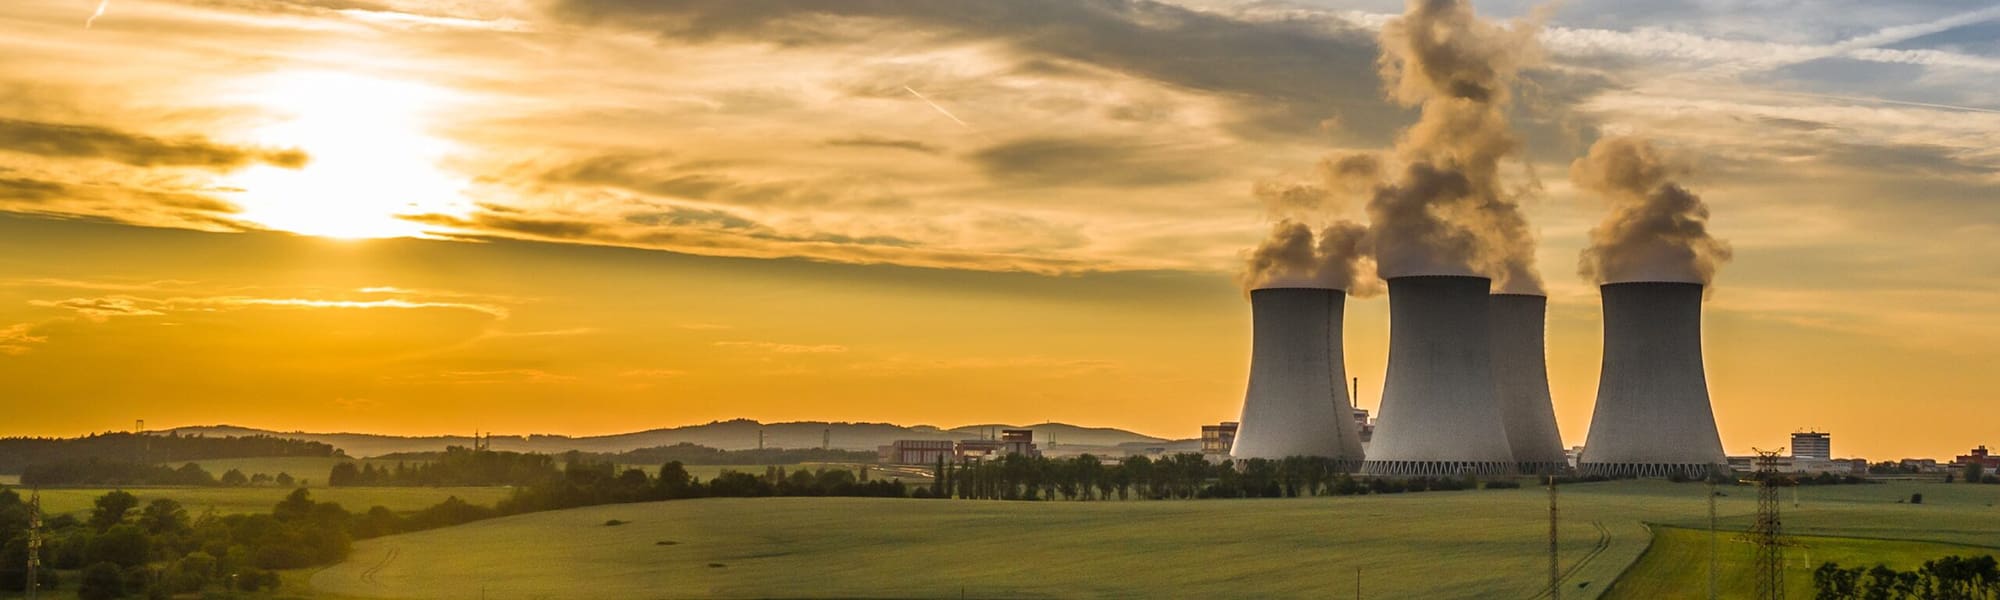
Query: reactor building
(1297, 403)
(1521, 379)
(1440, 413)
(1653, 417)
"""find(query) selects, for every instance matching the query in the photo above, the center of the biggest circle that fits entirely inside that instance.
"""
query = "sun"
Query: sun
(372, 161)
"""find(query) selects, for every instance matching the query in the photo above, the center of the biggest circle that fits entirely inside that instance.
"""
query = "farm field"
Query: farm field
(1677, 564)
(226, 500)
(1473, 544)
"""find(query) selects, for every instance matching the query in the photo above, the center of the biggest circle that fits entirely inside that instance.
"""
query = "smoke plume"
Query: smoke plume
(1447, 211)
(1657, 230)
(1294, 256)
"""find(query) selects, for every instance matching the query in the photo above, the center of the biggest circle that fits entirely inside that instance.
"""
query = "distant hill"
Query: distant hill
(738, 434)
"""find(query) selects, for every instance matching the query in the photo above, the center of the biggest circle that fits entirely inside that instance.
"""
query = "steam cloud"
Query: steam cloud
(1447, 212)
(1657, 230)
(1294, 256)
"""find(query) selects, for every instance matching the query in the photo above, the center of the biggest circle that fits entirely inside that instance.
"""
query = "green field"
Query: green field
(260, 499)
(1431, 545)
(1677, 564)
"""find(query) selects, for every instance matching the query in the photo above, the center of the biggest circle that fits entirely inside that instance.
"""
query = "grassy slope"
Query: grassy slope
(1677, 565)
(1440, 545)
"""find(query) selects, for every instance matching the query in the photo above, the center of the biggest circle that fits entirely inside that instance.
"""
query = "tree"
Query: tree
(101, 581)
(163, 516)
(1975, 472)
(235, 478)
(111, 509)
(124, 545)
(285, 479)
(344, 474)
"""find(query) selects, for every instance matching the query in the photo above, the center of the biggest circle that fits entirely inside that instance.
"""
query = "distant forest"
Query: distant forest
(16, 454)
(689, 454)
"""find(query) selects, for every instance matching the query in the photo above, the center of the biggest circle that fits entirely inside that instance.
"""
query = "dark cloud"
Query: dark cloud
(30, 190)
(694, 181)
(691, 217)
(1288, 74)
(1078, 161)
(85, 141)
(888, 143)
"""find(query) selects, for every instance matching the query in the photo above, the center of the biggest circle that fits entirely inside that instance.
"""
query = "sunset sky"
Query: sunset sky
(596, 216)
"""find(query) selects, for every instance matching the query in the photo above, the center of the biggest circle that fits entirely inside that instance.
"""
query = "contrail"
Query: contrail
(940, 109)
(101, 5)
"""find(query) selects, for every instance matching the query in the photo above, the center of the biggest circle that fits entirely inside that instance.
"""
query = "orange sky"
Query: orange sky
(594, 216)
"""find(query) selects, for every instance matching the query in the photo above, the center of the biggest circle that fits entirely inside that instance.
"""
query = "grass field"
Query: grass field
(1677, 564)
(261, 499)
(1431, 545)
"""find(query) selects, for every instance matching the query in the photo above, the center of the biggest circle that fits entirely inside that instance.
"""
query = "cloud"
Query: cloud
(1054, 161)
(85, 141)
(885, 143)
(18, 338)
(102, 308)
(778, 348)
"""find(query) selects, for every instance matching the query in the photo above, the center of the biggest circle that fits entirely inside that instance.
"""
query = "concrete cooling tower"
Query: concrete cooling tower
(1440, 410)
(1521, 377)
(1653, 417)
(1297, 403)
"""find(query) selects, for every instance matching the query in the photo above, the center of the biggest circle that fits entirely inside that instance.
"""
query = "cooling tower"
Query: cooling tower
(1521, 377)
(1297, 402)
(1653, 417)
(1440, 411)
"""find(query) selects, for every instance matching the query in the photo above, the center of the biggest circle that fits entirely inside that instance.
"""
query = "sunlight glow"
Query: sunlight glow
(371, 160)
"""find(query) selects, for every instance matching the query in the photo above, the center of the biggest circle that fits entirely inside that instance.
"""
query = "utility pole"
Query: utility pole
(760, 439)
(1768, 527)
(34, 544)
(1713, 546)
(1357, 583)
(826, 439)
(1555, 560)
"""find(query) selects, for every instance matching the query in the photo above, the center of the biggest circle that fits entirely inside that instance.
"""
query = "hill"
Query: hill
(737, 434)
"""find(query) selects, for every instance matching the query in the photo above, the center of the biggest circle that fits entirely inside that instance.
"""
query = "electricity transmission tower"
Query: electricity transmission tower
(34, 545)
(1765, 531)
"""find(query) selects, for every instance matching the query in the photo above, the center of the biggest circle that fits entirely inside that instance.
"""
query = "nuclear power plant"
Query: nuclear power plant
(1440, 410)
(1653, 417)
(1521, 377)
(1297, 402)
(1467, 388)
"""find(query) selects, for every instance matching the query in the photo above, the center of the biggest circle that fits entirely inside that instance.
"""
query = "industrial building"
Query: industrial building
(927, 452)
(1521, 377)
(1978, 455)
(1812, 445)
(1219, 439)
(1653, 417)
(1296, 403)
(1440, 412)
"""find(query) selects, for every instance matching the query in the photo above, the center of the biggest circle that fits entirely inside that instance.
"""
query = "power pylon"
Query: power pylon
(1767, 530)
(34, 545)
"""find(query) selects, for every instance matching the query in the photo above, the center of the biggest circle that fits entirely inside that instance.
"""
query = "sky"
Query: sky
(597, 216)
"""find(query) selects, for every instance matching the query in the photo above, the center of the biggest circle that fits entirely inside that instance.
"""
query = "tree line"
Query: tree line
(1173, 477)
(456, 466)
(102, 472)
(18, 453)
(1948, 578)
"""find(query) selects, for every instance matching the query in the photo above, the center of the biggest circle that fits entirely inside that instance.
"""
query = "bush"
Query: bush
(101, 581)
(1503, 485)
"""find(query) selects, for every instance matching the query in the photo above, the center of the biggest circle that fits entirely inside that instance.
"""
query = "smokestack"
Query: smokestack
(1653, 417)
(1440, 411)
(1296, 405)
(1521, 377)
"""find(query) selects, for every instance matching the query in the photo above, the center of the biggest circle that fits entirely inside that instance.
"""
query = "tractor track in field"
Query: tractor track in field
(1603, 543)
(368, 576)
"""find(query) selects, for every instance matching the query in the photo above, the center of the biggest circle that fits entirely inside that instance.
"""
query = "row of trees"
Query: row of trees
(1948, 578)
(16, 454)
(456, 466)
(102, 472)
(1179, 476)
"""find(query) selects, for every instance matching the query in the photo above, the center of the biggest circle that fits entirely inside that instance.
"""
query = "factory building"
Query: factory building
(1812, 445)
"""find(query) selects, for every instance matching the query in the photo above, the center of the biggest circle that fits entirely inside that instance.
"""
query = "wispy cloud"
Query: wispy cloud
(778, 348)
(18, 338)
